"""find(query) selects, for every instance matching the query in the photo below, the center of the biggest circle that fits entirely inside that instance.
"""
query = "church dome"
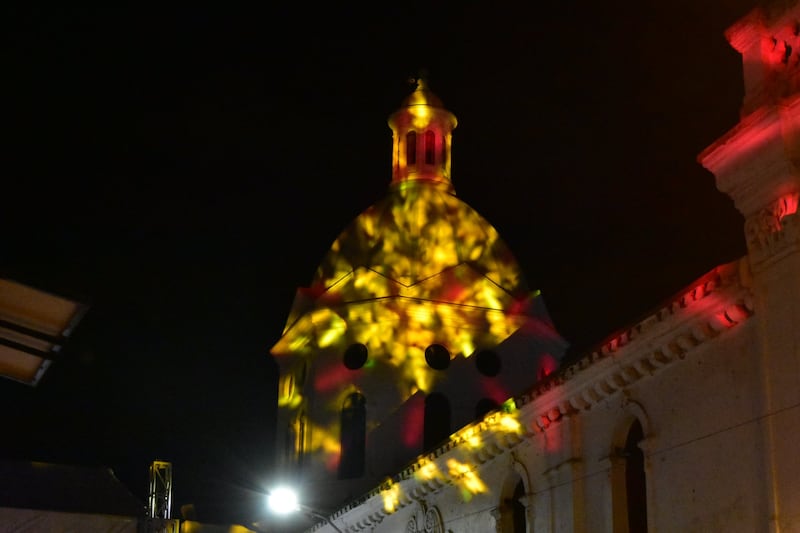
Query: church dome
(416, 232)
(420, 229)
(417, 304)
(417, 268)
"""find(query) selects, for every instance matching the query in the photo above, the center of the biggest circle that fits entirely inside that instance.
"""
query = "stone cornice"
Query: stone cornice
(754, 163)
(713, 304)
(747, 31)
(471, 446)
(773, 232)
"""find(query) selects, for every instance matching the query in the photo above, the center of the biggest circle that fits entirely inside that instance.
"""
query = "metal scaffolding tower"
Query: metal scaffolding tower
(160, 498)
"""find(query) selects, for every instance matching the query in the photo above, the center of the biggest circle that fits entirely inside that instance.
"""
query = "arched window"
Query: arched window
(302, 374)
(635, 481)
(297, 432)
(290, 445)
(437, 420)
(430, 147)
(411, 148)
(286, 389)
(518, 516)
(513, 516)
(353, 436)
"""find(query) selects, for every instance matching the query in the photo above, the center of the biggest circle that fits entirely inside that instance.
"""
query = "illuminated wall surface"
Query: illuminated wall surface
(419, 268)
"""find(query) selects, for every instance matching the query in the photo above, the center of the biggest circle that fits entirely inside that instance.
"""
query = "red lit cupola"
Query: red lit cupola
(422, 133)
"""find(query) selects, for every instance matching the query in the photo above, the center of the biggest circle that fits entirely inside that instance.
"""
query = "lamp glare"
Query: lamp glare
(282, 501)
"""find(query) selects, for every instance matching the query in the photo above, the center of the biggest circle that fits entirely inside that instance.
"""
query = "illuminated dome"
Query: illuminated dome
(420, 229)
(419, 267)
(417, 318)
(416, 232)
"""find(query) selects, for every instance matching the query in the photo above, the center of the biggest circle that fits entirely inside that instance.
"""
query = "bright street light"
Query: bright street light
(284, 500)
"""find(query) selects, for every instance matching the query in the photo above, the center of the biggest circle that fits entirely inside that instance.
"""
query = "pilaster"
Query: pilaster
(758, 165)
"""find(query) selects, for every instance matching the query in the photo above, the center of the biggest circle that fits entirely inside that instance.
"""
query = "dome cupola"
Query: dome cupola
(422, 130)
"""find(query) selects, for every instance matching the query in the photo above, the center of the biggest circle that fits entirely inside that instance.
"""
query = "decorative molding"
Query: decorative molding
(433, 521)
(773, 231)
(714, 304)
(425, 520)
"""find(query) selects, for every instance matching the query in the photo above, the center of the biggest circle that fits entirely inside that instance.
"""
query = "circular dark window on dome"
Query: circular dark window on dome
(488, 363)
(355, 356)
(437, 356)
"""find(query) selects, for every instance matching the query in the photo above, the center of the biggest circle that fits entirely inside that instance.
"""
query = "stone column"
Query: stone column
(758, 165)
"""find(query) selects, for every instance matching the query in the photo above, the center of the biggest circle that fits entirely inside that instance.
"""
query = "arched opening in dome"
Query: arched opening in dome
(437, 420)
(353, 436)
(430, 147)
(411, 148)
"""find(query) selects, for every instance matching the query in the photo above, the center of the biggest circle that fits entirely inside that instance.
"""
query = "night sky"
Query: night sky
(184, 171)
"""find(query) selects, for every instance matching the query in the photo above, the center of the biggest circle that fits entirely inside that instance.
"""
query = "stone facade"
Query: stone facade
(565, 442)
(687, 421)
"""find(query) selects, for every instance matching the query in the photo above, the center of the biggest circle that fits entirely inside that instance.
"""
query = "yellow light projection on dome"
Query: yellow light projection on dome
(415, 281)
(416, 269)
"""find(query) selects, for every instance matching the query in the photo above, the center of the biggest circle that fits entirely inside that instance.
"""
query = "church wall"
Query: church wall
(704, 450)
(463, 384)
(779, 294)
(705, 453)
(678, 414)
(704, 444)
(603, 463)
(484, 507)
(397, 521)
(786, 466)
(396, 441)
(713, 377)
(781, 299)
(703, 417)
